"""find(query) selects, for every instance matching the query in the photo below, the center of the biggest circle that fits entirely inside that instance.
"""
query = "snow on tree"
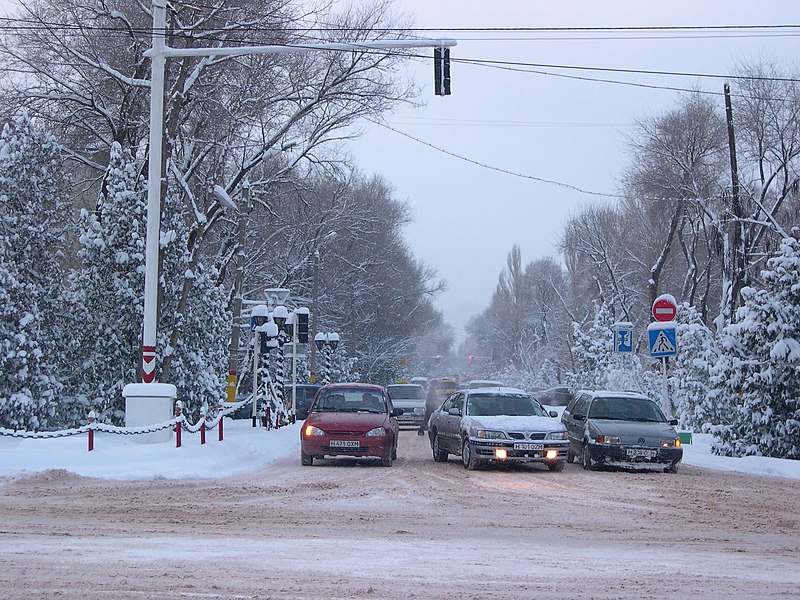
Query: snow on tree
(32, 235)
(689, 382)
(110, 286)
(758, 375)
(595, 365)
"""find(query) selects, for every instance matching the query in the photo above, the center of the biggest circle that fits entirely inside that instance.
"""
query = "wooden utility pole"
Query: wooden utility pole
(734, 259)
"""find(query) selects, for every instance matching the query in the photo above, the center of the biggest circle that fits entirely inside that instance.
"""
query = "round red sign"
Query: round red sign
(664, 309)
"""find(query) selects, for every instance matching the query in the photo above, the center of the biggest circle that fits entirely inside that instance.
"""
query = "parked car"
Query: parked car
(411, 398)
(350, 419)
(305, 396)
(620, 429)
(555, 396)
(496, 426)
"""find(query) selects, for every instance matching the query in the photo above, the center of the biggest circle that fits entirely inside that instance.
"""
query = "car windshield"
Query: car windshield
(403, 392)
(514, 405)
(626, 409)
(350, 400)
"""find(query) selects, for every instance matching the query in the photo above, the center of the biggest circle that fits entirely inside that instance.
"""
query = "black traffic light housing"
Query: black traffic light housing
(302, 327)
(441, 71)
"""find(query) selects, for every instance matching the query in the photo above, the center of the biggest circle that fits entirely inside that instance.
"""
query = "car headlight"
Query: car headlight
(377, 432)
(311, 430)
(557, 435)
(488, 434)
(671, 443)
(419, 411)
(608, 439)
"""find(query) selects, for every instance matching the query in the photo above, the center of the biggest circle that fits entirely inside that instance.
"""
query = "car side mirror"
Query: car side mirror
(553, 414)
(673, 422)
(454, 411)
(579, 417)
(302, 413)
(396, 412)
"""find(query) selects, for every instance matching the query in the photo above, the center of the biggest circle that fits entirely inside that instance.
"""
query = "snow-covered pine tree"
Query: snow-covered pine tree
(595, 365)
(33, 218)
(758, 375)
(199, 362)
(691, 371)
(109, 286)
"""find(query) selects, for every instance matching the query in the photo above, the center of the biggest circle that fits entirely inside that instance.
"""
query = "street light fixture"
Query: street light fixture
(327, 344)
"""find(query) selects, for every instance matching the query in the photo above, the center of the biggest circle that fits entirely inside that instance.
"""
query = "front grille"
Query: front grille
(538, 435)
(518, 435)
(515, 435)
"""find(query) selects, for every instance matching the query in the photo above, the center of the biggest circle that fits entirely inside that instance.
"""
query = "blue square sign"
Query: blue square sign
(662, 339)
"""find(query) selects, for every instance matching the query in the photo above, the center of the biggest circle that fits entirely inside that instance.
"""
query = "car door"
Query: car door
(449, 423)
(576, 427)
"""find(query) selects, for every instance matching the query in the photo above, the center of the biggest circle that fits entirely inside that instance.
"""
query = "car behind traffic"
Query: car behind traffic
(411, 398)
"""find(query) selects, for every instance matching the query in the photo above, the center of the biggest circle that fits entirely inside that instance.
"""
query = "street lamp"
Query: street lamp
(327, 344)
(260, 325)
(280, 315)
(315, 294)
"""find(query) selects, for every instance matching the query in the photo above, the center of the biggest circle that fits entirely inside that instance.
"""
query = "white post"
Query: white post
(158, 59)
(664, 393)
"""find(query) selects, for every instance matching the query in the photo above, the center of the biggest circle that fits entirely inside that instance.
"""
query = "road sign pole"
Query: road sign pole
(664, 391)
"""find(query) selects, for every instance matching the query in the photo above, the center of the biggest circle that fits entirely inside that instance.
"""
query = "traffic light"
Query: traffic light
(302, 327)
(470, 357)
(441, 71)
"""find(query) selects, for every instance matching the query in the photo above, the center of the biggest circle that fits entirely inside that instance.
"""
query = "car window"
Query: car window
(406, 392)
(351, 400)
(625, 409)
(490, 405)
(581, 405)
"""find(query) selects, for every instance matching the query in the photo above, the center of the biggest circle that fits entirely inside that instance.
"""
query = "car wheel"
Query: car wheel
(306, 459)
(570, 455)
(467, 458)
(386, 461)
(586, 457)
(557, 465)
(673, 468)
(439, 455)
(394, 453)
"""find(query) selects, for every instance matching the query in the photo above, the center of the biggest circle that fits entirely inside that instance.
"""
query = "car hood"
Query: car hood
(346, 421)
(633, 428)
(523, 424)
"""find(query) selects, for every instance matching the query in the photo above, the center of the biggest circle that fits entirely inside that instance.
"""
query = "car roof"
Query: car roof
(496, 390)
(354, 386)
(614, 393)
(404, 385)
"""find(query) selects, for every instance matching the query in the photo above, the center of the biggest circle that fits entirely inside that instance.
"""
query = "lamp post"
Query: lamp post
(327, 344)
(280, 315)
(259, 317)
(315, 296)
(233, 349)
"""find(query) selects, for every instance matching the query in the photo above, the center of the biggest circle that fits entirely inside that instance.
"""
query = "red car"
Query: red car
(350, 419)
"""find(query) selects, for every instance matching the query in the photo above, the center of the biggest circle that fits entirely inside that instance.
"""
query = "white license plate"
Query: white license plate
(528, 446)
(640, 453)
(344, 443)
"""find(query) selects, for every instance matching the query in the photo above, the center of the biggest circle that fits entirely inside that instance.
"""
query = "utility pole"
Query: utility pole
(314, 312)
(734, 259)
(233, 350)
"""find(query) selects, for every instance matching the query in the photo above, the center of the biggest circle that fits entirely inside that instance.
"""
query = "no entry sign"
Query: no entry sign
(665, 308)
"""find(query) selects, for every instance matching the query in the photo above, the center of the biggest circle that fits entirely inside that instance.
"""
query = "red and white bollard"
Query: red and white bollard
(91, 418)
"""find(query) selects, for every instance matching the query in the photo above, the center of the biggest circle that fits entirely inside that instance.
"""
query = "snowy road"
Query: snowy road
(348, 529)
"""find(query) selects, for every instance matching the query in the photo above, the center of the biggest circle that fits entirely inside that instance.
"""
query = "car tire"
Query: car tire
(394, 453)
(570, 455)
(673, 468)
(386, 461)
(306, 459)
(439, 455)
(586, 457)
(557, 465)
(467, 458)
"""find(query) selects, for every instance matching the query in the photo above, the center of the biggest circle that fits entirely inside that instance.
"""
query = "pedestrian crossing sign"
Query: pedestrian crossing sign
(662, 339)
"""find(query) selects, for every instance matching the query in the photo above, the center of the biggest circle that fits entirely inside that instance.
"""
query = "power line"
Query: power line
(493, 168)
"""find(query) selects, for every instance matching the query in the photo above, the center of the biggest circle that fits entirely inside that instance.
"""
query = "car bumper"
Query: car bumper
(411, 420)
(519, 452)
(634, 455)
(366, 447)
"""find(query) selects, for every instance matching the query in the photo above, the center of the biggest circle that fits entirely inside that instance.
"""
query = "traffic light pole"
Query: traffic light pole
(158, 54)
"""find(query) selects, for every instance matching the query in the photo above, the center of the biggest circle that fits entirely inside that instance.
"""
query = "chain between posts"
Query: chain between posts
(95, 426)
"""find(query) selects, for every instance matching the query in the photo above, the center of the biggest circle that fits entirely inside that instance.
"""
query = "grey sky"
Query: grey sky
(567, 130)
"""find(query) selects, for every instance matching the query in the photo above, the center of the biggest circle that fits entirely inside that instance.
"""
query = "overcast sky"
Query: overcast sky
(467, 217)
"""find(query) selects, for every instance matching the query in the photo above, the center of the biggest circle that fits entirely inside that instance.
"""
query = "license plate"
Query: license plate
(528, 446)
(640, 453)
(344, 443)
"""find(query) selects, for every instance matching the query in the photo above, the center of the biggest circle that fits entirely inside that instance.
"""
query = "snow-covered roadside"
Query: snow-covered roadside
(245, 449)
